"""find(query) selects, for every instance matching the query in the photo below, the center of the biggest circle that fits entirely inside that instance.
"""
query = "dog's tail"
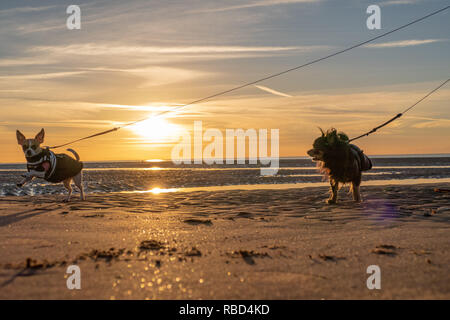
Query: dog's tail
(74, 153)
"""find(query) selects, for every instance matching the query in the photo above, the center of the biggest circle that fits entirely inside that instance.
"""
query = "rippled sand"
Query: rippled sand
(251, 244)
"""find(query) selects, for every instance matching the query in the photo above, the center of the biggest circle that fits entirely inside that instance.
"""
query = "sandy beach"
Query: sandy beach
(252, 244)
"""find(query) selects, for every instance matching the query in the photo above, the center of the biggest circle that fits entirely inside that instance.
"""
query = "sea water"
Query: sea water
(163, 176)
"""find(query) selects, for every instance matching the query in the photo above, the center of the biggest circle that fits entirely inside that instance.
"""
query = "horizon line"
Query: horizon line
(405, 155)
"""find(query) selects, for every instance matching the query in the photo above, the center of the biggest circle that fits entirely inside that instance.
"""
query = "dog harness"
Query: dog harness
(60, 166)
(364, 162)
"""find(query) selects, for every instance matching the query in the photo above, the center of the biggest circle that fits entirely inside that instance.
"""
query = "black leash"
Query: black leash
(401, 113)
(85, 138)
(266, 78)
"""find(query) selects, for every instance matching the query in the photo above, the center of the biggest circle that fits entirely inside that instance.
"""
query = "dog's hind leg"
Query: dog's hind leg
(355, 192)
(333, 192)
(78, 179)
(67, 184)
(355, 187)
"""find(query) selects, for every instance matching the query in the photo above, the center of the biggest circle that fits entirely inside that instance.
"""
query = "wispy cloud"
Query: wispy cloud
(42, 76)
(13, 90)
(17, 10)
(426, 122)
(275, 92)
(398, 2)
(438, 123)
(403, 43)
(153, 107)
(264, 3)
(24, 62)
(93, 49)
(157, 75)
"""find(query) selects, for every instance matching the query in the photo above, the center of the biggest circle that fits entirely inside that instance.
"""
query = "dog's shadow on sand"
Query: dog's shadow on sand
(18, 216)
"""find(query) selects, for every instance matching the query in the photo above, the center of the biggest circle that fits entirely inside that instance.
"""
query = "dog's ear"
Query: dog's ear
(40, 136)
(323, 133)
(20, 138)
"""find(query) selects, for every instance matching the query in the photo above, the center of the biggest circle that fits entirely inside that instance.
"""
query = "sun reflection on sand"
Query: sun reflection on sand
(285, 186)
(155, 190)
(159, 190)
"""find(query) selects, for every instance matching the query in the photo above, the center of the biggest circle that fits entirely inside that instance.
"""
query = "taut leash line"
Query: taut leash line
(401, 113)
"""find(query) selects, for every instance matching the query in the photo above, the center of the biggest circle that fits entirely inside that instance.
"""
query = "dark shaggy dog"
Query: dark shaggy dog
(340, 161)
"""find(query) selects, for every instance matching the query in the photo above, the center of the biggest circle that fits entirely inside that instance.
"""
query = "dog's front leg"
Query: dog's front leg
(26, 179)
(29, 176)
(36, 174)
(333, 192)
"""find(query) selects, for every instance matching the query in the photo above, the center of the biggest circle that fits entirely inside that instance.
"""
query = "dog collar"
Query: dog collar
(36, 158)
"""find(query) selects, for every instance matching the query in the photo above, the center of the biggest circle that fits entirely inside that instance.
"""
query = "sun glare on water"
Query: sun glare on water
(159, 190)
(157, 130)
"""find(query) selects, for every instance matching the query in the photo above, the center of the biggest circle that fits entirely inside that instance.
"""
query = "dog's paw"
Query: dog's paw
(331, 201)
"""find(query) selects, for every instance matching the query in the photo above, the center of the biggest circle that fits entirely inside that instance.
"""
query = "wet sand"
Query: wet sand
(250, 244)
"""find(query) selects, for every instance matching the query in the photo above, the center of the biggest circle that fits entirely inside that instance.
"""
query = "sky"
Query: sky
(132, 59)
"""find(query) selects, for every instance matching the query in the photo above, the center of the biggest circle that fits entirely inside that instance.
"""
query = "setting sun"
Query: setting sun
(157, 130)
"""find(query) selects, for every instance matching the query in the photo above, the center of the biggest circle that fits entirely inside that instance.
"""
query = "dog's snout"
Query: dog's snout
(311, 152)
(28, 153)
